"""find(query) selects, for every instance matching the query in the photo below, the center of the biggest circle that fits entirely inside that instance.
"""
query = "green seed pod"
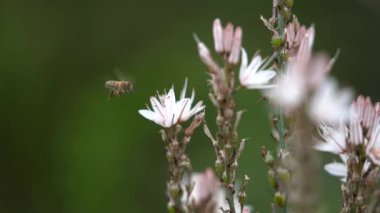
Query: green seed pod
(219, 166)
(283, 174)
(277, 41)
(272, 179)
(242, 197)
(279, 199)
(169, 156)
(289, 3)
(287, 13)
(225, 177)
(171, 207)
(175, 190)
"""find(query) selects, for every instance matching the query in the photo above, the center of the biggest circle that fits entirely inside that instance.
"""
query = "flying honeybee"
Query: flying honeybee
(117, 88)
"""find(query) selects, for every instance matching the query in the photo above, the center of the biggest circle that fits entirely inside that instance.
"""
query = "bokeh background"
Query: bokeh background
(65, 148)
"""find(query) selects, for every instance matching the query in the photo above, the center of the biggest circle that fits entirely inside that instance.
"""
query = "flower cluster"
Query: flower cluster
(362, 132)
(305, 80)
(357, 142)
(168, 112)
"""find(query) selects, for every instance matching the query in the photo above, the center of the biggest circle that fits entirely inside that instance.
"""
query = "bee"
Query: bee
(117, 88)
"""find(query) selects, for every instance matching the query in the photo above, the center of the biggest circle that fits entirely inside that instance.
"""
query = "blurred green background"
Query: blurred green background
(65, 148)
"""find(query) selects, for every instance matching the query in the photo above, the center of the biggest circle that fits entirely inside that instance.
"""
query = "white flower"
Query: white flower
(290, 91)
(329, 104)
(334, 138)
(341, 170)
(338, 170)
(168, 112)
(253, 76)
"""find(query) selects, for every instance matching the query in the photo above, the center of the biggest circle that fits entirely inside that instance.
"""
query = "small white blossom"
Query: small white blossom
(334, 138)
(341, 169)
(168, 112)
(290, 91)
(254, 76)
(338, 170)
(330, 104)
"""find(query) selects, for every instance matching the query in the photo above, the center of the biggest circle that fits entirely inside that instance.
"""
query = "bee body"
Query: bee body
(117, 88)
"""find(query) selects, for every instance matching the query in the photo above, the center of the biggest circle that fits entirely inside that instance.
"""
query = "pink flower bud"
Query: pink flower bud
(218, 36)
(228, 37)
(236, 46)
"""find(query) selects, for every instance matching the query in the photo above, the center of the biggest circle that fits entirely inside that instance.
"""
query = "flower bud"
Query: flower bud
(236, 46)
(219, 166)
(279, 199)
(228, 37)
(217, 31)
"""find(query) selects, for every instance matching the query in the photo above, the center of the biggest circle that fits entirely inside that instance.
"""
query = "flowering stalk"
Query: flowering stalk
(358, 146)
(169, 113)
(281, 15)
(227, 145)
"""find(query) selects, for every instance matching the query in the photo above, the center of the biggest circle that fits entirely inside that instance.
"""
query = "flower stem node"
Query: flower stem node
(219, 166)
(279, 199)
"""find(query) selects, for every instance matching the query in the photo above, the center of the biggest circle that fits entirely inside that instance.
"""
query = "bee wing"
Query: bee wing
(122, 76)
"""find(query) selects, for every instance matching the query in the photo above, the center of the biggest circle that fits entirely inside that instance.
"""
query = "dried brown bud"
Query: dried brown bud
(198, 119)
(228, 113)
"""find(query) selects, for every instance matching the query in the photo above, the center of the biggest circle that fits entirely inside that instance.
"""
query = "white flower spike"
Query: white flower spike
(168, 112)
(252, 76)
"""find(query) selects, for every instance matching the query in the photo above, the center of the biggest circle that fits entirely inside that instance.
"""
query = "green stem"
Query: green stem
(281, 130)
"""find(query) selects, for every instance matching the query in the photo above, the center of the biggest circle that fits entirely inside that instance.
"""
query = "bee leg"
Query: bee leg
(110, 95)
